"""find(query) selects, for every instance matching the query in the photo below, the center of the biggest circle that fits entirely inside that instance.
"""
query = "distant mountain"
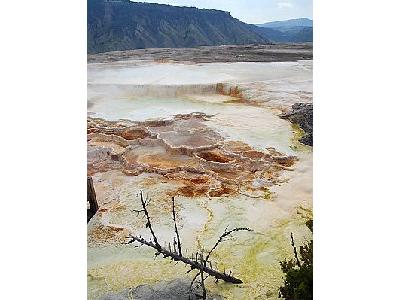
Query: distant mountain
(290, 31)
(123, 25)
(302, 22)
(290, 35)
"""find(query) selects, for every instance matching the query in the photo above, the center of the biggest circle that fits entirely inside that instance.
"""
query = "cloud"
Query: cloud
(285, 5)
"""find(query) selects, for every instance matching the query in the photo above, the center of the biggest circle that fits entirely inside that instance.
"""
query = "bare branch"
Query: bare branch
(194, 279)
(194, 264)
(137, 211)
(176, 227)
(203, 264)
(148, 224)
(174, 251)
(202, 279)
(224, 235)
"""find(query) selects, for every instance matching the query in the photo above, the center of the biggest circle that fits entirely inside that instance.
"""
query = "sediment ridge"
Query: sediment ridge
(210, 54)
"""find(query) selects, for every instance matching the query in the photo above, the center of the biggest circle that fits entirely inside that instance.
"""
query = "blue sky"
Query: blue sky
(251, 11)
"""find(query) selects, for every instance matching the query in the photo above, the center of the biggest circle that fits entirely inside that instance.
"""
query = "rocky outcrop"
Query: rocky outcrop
(302, 115)
(178, 289)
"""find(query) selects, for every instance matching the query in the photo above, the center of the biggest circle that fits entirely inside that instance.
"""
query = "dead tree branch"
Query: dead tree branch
(197, 261)
(192, 263)
(176, 227)
(203, 287)
(194, 278)
(223, 236)
(148, 224)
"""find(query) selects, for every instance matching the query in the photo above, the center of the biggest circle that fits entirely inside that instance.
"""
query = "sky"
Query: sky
(251, 11)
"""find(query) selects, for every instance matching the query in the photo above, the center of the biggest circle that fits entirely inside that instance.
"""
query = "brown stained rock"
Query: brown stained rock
(253, 154)
(190, 177)
(168, 161)
(233, 174)
(286, 161)
(106, 234)
(236, 147)
(231, 91)
(134, 133)
(215, 156)
(192, 191)
(199, 180)
(224, 190)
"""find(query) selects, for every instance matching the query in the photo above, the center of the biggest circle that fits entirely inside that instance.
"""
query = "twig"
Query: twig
(176, 227)
(138, 211)
(194, 279)
(202, 276)
(148, 224)
(225, 234)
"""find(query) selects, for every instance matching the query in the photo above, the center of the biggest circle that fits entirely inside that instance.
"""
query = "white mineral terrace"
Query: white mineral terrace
(243, 101)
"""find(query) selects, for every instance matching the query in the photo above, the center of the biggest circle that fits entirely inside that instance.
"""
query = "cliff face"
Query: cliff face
(124, 25)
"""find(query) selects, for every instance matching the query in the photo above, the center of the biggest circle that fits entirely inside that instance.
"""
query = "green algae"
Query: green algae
(267, 194)
(305, 212)
(296, 145)
(252, 257)
(258, 264)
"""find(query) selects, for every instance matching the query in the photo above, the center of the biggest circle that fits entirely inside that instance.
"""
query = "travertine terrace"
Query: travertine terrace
(208, 133)
(185, 151)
